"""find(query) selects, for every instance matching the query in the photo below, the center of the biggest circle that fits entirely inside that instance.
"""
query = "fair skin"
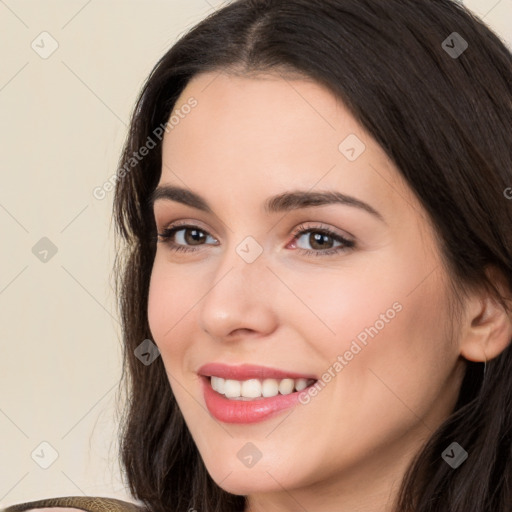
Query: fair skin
(250, 138)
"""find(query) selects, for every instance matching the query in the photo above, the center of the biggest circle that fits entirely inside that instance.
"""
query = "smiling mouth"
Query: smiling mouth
(254, 389)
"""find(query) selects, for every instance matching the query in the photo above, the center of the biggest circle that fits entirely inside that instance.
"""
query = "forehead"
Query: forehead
(269, 133)
(266, 105)
(265, 119)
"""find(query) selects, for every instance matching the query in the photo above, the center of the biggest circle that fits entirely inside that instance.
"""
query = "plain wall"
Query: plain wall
(63, 120)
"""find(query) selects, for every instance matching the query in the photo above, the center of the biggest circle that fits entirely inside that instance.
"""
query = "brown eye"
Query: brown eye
(321, 241)
(193, 236)
(182, 238)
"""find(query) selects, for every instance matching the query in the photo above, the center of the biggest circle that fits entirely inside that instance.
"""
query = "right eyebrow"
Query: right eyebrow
(181, 195)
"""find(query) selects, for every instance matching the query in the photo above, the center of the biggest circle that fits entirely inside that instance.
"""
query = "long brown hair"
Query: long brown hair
(440, 105)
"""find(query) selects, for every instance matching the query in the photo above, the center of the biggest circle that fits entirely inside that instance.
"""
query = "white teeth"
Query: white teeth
(232, 388)
(218, 384)
(301, 384)
(251, 388)
(255, 388)
(270, 387)
(286, 386)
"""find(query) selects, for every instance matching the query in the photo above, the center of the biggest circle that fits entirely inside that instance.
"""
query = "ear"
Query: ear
(487, 327)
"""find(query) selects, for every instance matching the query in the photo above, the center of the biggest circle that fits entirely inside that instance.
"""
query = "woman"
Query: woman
(377, 376)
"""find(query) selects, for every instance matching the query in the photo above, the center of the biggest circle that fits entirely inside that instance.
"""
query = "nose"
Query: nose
(237, 301)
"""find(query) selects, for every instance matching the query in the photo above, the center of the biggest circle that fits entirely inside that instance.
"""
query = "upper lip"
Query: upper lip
(249, 371)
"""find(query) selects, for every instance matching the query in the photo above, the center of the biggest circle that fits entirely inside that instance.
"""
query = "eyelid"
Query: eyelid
(300, 229)
(186, 224)
(318, 226)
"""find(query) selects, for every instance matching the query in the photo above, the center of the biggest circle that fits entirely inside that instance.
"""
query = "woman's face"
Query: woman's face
(263, 278)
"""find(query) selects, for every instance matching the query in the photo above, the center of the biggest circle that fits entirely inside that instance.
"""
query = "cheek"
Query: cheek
(386, 365)
(172, 296)
(375, 324)
(346, 306)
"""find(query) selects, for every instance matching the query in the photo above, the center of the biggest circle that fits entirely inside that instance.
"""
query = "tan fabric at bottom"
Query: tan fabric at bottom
(55, 509)
(89, 504)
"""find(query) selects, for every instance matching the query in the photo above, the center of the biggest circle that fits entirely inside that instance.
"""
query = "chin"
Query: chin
(264, 477)
(243, 483)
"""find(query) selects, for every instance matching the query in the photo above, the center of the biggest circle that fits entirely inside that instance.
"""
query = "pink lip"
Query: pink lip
(249, 371)
(242, 411)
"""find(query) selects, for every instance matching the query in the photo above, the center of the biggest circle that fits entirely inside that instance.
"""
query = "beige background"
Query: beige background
(63, 121)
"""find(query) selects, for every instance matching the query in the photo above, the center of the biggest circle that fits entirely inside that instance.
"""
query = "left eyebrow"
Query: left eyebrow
(305, 199)
(284, 202)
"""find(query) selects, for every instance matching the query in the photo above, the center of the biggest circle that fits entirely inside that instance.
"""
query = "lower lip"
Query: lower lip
(246, 411)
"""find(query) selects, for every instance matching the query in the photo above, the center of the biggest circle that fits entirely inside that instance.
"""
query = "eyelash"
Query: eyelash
(168, 233)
